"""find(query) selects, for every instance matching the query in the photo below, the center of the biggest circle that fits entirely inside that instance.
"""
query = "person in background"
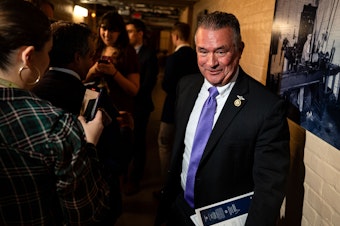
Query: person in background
(116, 62)
(50, 172)
(306, 51)
(70, 59)
(178, 64)
(116, 68)
(143, 102)
(246, 146)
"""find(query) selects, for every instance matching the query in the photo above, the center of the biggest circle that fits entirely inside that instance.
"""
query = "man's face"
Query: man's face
(133, 34)
(217, 55)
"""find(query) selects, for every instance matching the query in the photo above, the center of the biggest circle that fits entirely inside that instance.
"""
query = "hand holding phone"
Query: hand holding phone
(91, 107)
(101, 61)
(105, 60)
(92, 102)
(94, 128)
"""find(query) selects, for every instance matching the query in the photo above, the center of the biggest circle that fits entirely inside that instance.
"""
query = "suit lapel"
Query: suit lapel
(234, 104)
(141, 50)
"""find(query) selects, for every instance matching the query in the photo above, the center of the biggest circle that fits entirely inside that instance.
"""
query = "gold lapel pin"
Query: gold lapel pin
(238, 101)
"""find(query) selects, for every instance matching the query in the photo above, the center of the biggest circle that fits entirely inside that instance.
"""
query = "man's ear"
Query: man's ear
(25, 53)
(174, 35)
(141, 34)
(241, 47)
(77, 57)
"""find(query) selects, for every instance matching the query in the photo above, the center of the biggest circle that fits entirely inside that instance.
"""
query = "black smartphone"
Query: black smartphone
(103, 61)
(92, 106)
(95, 98)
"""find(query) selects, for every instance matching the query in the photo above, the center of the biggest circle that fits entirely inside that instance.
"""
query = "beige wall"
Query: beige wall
(313, 192)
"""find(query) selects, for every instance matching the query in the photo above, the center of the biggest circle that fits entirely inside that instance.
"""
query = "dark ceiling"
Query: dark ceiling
(158, 13)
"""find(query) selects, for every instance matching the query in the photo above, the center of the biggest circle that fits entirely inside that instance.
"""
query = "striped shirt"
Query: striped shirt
(49, 175)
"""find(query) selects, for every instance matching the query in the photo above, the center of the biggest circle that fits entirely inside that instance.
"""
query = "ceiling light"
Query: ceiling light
(80, 11)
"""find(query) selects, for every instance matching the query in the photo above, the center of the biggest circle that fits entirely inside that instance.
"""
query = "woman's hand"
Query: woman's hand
(93, 129)
(130, 83)
(106, 68)
(92, 73)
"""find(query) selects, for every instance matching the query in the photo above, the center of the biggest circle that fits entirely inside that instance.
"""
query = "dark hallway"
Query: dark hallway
(140, 209)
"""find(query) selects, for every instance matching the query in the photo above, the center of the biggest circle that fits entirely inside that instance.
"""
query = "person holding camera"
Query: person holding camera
(50, 170)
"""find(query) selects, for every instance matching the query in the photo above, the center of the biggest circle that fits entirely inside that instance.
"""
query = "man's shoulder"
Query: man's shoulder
(184, 56)
(60, 77)
(147, 51)
(191, 80)
(185, 49)
(147, 48)
(130, 50)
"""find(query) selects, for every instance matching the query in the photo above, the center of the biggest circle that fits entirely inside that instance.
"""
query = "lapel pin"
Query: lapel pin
(238, 101)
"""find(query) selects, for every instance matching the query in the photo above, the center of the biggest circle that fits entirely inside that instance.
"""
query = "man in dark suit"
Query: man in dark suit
(181, 62)
(69, 62)
(70, 59)
(148, 64)
(248, 147)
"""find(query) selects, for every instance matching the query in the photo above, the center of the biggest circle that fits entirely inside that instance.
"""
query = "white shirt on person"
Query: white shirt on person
(65, 70)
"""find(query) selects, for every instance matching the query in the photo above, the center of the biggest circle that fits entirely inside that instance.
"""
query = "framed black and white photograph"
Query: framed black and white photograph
(304, 64)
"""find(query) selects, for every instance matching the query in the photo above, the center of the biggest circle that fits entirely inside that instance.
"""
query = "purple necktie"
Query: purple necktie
(204, 127)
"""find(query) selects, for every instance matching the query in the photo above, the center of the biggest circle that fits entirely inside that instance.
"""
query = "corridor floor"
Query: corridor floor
(140, 209)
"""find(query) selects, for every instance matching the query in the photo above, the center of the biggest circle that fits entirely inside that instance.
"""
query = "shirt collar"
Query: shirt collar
(180, 46)
(65, 70)
(222, 90)
(137, 48)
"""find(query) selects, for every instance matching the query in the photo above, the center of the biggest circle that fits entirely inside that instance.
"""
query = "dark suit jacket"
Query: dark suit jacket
(148, 68)
(180, 63)
(62, 90)
(248, 149)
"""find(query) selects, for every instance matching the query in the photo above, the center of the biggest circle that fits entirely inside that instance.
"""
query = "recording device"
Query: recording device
(97, 98)
(92, 104)
(104, 60)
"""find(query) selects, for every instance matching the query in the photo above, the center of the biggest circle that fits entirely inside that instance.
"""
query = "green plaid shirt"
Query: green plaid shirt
(49, 175)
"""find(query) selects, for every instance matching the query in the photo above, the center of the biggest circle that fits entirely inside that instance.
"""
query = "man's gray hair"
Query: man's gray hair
(218, 20)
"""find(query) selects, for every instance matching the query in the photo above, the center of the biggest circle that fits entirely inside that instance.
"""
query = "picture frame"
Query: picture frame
(303, 65)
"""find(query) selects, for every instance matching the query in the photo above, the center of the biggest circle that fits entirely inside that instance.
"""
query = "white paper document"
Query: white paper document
(231, 212)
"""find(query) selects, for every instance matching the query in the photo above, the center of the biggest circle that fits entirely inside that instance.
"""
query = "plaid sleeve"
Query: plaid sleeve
(82, 190)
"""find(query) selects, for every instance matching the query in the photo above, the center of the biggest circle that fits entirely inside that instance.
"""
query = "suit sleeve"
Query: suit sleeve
(271, 166)
(170, 79)
(151, 72)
